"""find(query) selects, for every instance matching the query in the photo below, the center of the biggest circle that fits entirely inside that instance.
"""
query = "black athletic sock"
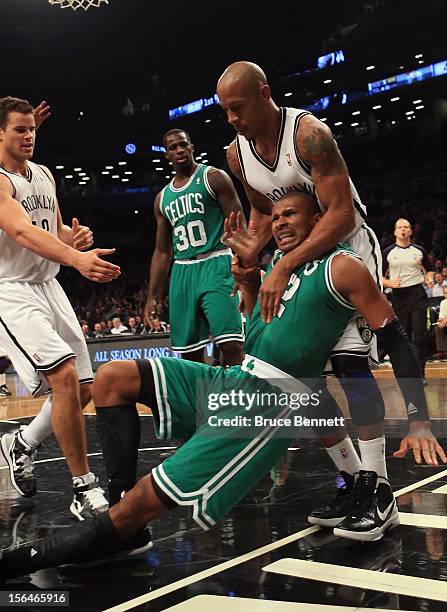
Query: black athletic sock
(118, 429)
(86, 541)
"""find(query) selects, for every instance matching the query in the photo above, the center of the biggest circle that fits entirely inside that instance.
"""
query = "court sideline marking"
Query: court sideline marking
(217, 569)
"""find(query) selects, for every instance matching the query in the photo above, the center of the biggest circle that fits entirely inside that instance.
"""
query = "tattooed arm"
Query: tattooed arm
(317, 147)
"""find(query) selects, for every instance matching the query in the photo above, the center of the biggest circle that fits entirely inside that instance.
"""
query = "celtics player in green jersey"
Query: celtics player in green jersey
(190, 213)
(223, 457)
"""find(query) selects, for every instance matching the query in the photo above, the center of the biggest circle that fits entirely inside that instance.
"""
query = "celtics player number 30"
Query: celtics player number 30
(186, 235)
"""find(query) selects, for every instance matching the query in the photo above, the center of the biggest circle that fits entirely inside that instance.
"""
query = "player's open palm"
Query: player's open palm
(239, 240)
(94, 268)
(423, 444)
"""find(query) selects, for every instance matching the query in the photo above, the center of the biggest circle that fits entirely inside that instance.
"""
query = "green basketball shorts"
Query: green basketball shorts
(218, 464)
(200, 304)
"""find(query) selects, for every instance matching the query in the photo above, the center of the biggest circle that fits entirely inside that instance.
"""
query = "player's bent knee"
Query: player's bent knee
(119, 379)
(86, 394)
(64, 377)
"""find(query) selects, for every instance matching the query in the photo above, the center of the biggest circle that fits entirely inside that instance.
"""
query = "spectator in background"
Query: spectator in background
(404, 267)
(104, 328)
(98, 332)
(438, 286)
(444, 276)
(118, 327)
(441, 329)
(85, 330)
(133, 327)
(428, 284)
(109, 326)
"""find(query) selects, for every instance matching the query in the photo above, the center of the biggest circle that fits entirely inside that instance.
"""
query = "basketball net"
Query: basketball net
(76, 4)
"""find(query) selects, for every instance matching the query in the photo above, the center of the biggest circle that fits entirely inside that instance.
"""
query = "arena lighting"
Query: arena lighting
(226, 147)
(82, 173)
(370, 67)
(109, 167)
(417, 101)
(68, 176)
(77, 169)
(393, 122)
(204, 153)
(409, 113)
(288, 94)
(167, 176)
(323, 119)
(207, 120)
(330, 59)
(354, 124)
(159, 168)
(128, 172)
(356, 112)
(136, 212)
(105, 172)
(115, 176)
(59, 167)
(131, 148)
(327, 81)
(395, 99)
(420, 61)
(122, 163)
(338, 123)
(420, 106)
(85, 178)
(408, 78)
(124, 180)
(156, 161)
(82, 183)
(418, 55)
(193, 107)
(377, 106)
(204, 161)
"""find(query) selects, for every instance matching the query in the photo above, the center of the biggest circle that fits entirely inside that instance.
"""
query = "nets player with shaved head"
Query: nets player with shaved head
(190, 213)
(280, 150)
(38, 328)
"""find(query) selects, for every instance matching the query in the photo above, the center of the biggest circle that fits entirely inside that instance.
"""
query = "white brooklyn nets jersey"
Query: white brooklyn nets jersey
(37, 196)
(288, 171)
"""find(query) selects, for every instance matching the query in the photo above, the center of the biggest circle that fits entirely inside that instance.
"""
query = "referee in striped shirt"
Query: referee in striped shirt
(404, 266)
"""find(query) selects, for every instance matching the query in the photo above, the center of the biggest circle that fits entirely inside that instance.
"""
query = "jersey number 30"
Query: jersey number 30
(192, 235)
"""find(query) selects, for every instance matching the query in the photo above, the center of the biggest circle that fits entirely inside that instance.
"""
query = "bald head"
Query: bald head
(245, 76)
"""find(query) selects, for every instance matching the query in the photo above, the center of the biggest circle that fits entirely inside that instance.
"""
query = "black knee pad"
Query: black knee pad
(118, 430)
(327, 408)
(362, 391)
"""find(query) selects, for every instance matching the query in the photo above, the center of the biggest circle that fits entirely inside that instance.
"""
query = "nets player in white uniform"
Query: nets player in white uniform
(277, 150)
(38, 327)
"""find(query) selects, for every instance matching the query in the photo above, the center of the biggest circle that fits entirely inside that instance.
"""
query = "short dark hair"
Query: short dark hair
(176, 131)
(13, 105)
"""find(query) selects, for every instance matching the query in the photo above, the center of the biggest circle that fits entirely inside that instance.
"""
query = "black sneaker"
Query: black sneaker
(375, 511)
(88, 499)
(4, 391)
(20, 459)
(137, 549)
(332, 514)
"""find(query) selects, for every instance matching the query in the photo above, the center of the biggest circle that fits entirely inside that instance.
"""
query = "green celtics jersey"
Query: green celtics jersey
(311, 318)
(195, 215)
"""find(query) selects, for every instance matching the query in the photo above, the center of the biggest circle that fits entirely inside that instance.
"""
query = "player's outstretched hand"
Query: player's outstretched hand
(151, 317)
(239, 240)
(271, 292)
(82, 236)
(94, 268)
(423, 443)
(41, 113)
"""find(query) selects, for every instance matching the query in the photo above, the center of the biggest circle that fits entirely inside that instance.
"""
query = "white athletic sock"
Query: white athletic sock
(2, 379)
(40, 427)
(88, 478)
(372, 453)
(345, 457)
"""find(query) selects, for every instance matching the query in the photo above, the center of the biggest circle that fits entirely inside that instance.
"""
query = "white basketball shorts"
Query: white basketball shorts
(39, 330)
(358, 340)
